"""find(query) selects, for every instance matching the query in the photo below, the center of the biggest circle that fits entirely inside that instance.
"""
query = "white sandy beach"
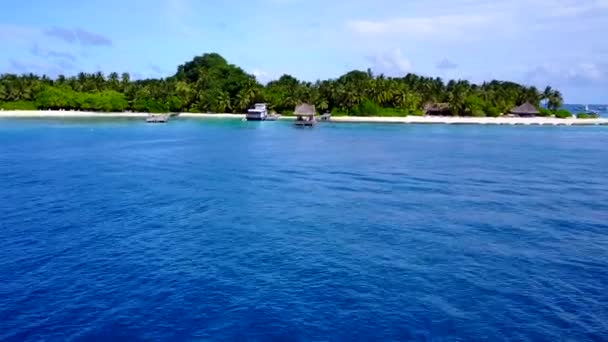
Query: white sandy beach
(84, 115)
(449, 120)
(345, 119)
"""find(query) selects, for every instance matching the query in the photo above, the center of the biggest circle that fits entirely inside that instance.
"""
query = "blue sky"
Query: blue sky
(558, 42)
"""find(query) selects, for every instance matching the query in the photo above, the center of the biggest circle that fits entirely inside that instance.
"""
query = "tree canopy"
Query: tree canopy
(208, 83)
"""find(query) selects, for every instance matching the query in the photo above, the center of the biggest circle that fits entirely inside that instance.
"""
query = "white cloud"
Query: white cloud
(446, 64)
(421, 26)
(581, 74)
(391, 63)
(570, 8)
(261, 75)
(591, 71)
(474, 19)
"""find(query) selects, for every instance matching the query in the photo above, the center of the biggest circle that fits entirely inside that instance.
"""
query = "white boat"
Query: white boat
(588, 111)
(259, 112)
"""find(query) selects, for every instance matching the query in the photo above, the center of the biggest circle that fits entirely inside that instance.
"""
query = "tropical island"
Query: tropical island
(209, 84)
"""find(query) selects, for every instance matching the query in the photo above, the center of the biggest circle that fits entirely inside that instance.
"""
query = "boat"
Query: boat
(257, 113)
(590, 112)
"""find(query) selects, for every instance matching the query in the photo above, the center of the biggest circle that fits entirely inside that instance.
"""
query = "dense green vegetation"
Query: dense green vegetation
(587, 116)
(563, 114)
(559, 113)
(209, 83)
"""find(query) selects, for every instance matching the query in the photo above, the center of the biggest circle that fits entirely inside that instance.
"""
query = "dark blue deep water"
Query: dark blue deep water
(227, 230)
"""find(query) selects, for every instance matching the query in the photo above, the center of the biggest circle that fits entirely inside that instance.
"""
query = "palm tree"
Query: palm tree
(251, 90)
(457, 101)
(222, 102)
(3, 92)
(204, 79)
(290, 101)
(533, 95)
(61, 79)
(243, 101)
(184, 92)
(113, 81)
(125, 79)
(555, 100)
(546, 94)
(322, 104)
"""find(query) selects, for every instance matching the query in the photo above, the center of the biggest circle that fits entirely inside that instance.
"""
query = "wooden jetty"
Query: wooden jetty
(273, 117)
(325, 117)
(158, 118)
(305, 115)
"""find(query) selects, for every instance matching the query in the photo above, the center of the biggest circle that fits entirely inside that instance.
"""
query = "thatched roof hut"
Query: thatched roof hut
(526, 109)
(305, 109)
(437, 109)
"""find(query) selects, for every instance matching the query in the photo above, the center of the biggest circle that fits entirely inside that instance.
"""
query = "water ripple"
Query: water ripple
(225, 230)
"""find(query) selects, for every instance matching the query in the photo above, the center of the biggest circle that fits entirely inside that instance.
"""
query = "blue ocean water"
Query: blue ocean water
(228, 230)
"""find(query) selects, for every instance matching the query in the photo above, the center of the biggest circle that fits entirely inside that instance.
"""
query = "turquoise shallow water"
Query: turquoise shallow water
(228, 230)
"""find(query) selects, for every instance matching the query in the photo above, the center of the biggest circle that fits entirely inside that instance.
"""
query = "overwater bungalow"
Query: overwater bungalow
(305, 115)
(438, 109)
(524, 110)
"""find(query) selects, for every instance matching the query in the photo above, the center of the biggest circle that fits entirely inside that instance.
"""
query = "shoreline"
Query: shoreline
(446, 120)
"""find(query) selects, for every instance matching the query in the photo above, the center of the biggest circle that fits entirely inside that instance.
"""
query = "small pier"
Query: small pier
(273, 117)
(158, 118)
(325, 117)
(305, 122)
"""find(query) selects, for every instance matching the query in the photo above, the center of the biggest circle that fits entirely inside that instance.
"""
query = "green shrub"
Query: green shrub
(110, 101)
(174, 104)
(18, 105)
(563, 114)
(474, 106)
(338, 112)
(150, 105)
(417, 112)
(587, 116)
(393, 112)
(492, 111)
(366, 108)
(370, 108)
(544, 112)
(478, 112)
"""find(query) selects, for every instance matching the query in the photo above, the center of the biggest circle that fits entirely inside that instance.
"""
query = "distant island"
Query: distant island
(208, 83)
